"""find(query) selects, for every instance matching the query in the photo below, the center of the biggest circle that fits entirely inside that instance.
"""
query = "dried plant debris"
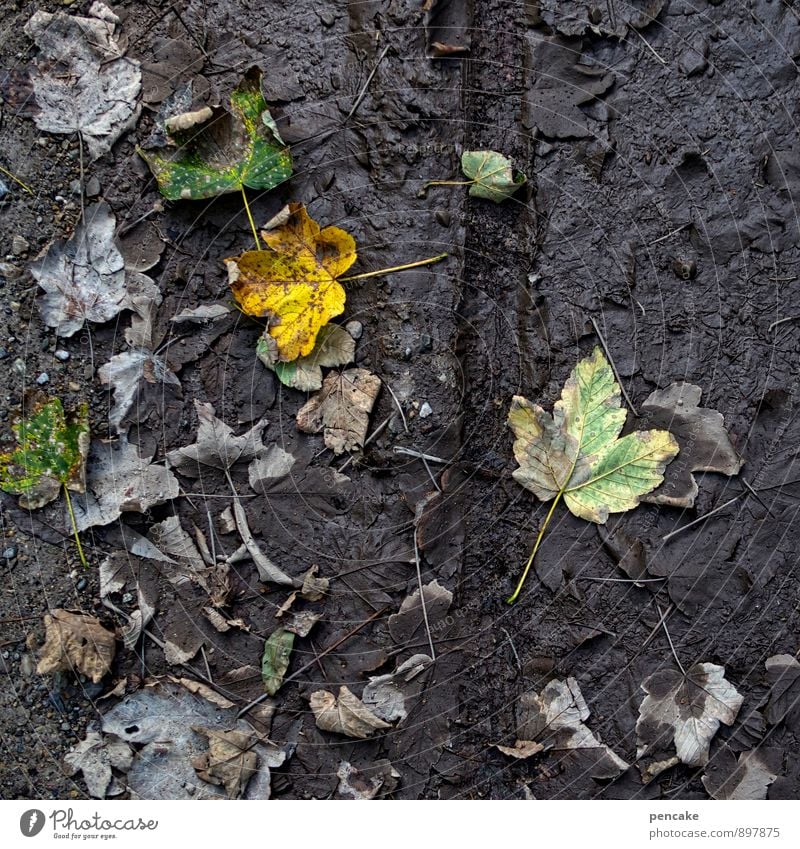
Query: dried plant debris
(341, 409)
(746, 777)
(705, 445)
(230, 761)
(378, 779)
(84, 82)
(385, 695)
(685, 711)
(521, 750)
(334, 347)
(407, 626)
(76, 642)
(201, 314)
(783, 673)
(555, 719)
(345, 714)
(160, 721)
(84, 278)
(271, 464)
(221, 150)
(120, 481)
(275, 661)
(95, 758)
(314, 588)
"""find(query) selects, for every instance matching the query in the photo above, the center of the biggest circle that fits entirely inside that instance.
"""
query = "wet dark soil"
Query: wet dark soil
(663, 162)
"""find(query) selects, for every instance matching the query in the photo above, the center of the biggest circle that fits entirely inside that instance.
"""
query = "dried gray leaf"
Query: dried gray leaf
(230, 761)
(385, 695)
(407, 626)
(345, 714)
(94, 757)
(521, 750)
(205, 312)
(301, 623)
(747, 777)
(366, 783)
(685, 710)
(273, 463)
(783, 672)
(84, 84)
(314, 588)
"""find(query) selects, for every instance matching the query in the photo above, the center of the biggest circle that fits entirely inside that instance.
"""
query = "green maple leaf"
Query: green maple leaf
(492, 175)
(51, 453)
(275, 662)
(576, 453)
(226, 150)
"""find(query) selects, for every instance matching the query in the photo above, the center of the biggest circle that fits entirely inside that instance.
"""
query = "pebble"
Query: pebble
(81, 585)
(694, 60)
(3, 189)
(19, 245)
(9, 553)
(75, 187)
(43, 378)
(443, 217)
(355, 329)
(127, 598)
(61, 356)
(326, 16)
(92, 187)
(425, 410)
(3, 353)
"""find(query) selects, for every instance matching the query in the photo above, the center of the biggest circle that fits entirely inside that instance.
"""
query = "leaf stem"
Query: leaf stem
(250, 218)
(528, 565)
(448, 183)
(75, 528)
(16, 180)
(408, 265)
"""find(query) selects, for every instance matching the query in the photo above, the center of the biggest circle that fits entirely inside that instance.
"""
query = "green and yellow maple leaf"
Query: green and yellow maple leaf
(576, 454)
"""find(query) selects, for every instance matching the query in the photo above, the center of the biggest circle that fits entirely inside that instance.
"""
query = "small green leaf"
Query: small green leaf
(492, 173)
(275, 662)
(226, 151)
(51, 453)
(334, 347)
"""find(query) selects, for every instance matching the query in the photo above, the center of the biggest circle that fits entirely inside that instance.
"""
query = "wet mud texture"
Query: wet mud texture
(663, 168)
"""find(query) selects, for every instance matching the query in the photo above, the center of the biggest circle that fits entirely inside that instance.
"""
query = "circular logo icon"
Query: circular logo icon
(31, 822)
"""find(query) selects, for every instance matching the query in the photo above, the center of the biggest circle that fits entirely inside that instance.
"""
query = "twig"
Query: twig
(411, 452)
(374, 435)
(363, 92)
(668, 236)
(513, 648)
(650, 47)
(16, 180)
(80, 163)
(591, 627)
(700, 519)
(422, 596)
(782, 321)
(319, 662)
(613, 366)
(430, 474)
(658, 624)
(618, 580)
(669, 640)
(248, 707)
(399, 407)
(758, 497)
(205, 661)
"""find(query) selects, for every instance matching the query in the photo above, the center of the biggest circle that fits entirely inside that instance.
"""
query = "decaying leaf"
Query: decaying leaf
(345, 714)
(230, 761)
(576, 454)
(84, 278)
(700, 433)
(685, 710)
(521, 750)
(293, 282)
(95, 757)
(342, 409)
(84, 84)
(51, 453)
(216, 446)
(121, 481)
(197, 315)
(555, 719)
(314, 588)
(407, 626)
(385, 695)
(221, 150)
(271, 464)
(334, 347)
(747, 777)
(301, 623)
(275, 661)
(366, 783)
(783, 672)
(492, 175)
(76, 642)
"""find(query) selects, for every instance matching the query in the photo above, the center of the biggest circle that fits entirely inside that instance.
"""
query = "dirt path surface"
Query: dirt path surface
(660, 142)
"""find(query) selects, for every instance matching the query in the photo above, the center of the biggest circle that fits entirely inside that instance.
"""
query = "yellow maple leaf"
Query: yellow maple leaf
(293, 282)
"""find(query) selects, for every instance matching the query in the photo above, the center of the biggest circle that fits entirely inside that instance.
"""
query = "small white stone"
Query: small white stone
(43, 378)
(425, 410)
(354, 328)
(62, 356)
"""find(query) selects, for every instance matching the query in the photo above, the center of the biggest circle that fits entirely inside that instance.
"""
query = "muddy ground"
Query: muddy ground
(661, 145)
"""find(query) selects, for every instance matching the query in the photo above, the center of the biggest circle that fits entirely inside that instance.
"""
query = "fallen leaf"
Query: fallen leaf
(346, 714)
(747, 777)
(342, 408)
(521, 750)
(492, 175)
(783, 673)
(385, 695)
(84, 83)
(95, 757)
(366, 783)
(51, 453)
(275, 661)
(230, 761)
(407, 626)
(221, 150)
(334, 347)
(84, 278)
(215, 445)
(301, 623)
(686, 710)
(205, 312)
(273, 463)
(294, 281)
(267, 570)
(76, 642)
(700, 432)
(314, 588)
(206, 692)
(121, 481)
(576, 453)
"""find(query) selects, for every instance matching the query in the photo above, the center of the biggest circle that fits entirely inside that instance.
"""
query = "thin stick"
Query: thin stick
(419, 455)
(657, 626)
(399, 408)
(758, 497)
(669, 640)
(515, 595)
(205, 661)
(80, 163)
(405, 267)
(513, 648)
(430, 475)
(310, 663)
(613, 367)
(650, 47)
(618, 580)
(374, 435)
(668, 236)
(448, 183)
(75, 528)
(422, 596)
(782, 321)
(16, 180)
(362, 93)
(250, 218)
(697, 521)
